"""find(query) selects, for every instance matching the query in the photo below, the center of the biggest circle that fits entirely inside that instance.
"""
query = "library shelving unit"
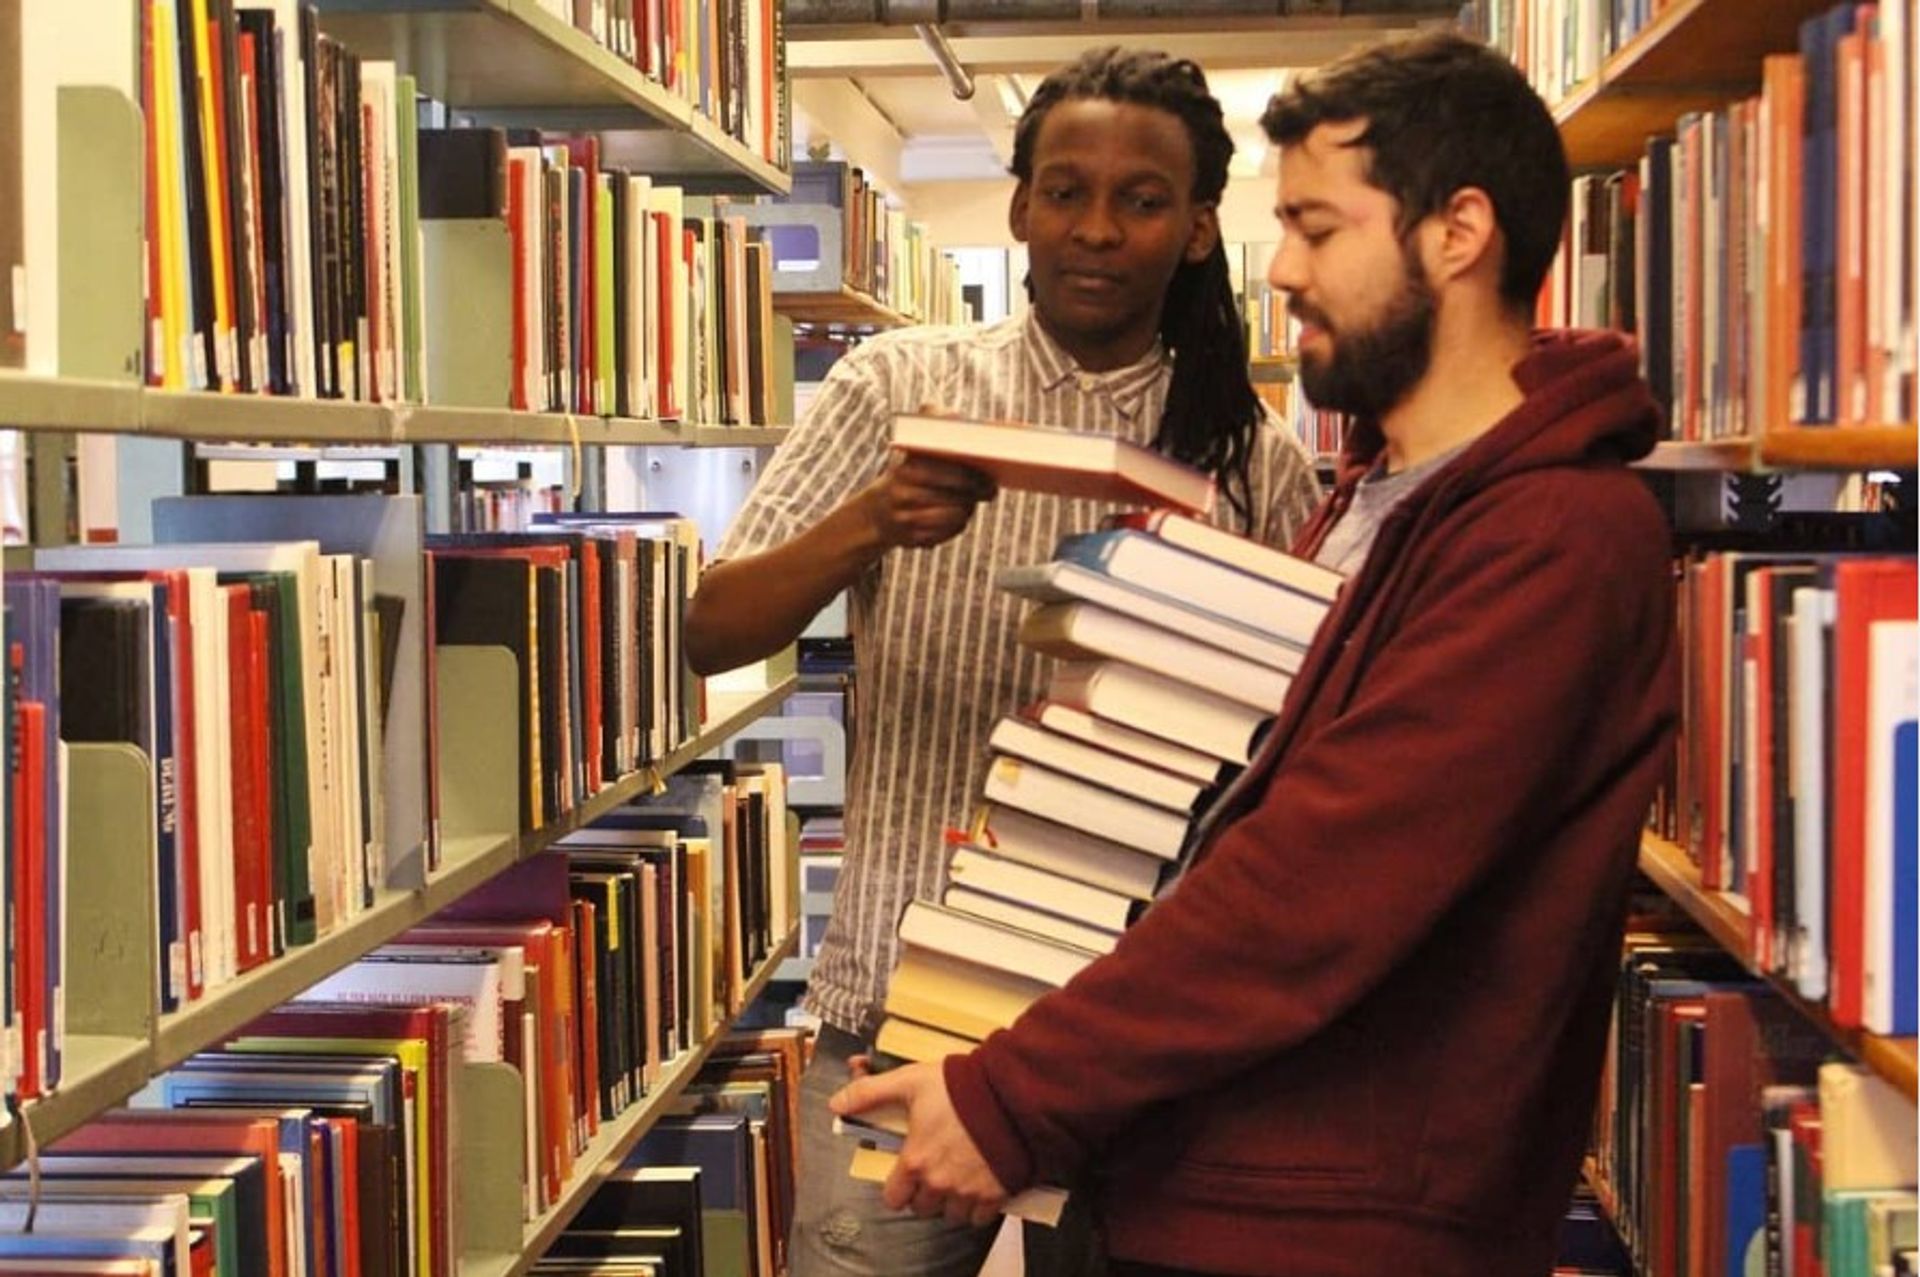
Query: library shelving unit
(83, 405)
(1699, 55)
(846, 307)
(1695, 54)
(515, 61)
(611, 1146)
(104, 1068)
(1794, 448)
(1668, 866)
(507, 61)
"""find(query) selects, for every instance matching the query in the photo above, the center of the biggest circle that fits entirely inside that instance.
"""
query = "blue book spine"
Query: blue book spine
(1091, 550)
(1746, 1205)
(1819, 44)
(166, 785)
(1906, 879)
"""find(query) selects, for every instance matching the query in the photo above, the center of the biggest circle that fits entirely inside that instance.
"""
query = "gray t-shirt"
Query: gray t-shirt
(1348, 541)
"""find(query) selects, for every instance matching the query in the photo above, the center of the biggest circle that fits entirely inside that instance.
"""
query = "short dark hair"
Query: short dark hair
(1445, 112)
(1211, 411)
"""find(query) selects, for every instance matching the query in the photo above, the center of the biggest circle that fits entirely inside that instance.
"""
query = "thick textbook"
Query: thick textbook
(1066, 463)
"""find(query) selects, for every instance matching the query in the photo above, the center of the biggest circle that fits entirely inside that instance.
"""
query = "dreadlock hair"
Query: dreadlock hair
(1211, 410)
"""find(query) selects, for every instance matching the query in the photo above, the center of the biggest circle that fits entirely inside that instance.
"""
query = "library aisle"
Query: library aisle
(385, 893)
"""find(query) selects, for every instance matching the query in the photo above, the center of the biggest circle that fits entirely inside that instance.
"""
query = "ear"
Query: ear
(1206, 233)
(1017, 212)
(1463, 238)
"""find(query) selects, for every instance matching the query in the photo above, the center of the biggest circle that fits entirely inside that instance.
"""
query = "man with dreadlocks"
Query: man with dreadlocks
(1120, 159)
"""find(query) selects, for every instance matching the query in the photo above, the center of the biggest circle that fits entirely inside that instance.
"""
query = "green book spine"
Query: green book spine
(606, 363)
(413, 347)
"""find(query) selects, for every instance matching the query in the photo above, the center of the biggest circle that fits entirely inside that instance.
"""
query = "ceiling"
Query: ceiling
(876, 95)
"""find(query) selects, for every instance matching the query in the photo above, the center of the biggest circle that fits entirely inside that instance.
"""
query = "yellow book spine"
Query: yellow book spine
(217, 228)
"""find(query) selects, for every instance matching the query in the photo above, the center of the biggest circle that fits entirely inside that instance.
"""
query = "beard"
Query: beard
(1367, 371)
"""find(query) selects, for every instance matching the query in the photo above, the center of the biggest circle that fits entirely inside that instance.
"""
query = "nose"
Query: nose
(1287, 270)
(1096, 227)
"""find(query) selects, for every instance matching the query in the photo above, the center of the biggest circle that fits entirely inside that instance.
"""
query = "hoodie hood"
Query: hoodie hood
(1585, 402)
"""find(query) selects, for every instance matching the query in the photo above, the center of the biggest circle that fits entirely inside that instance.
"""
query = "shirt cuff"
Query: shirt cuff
(987, 1122)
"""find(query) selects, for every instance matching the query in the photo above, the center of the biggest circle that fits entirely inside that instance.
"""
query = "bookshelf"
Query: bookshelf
(517, 61)
(1676, 875)
(617, 1139)
(103, 1070)
(846, 306)
(1696, 54)
(64, 404)
(1793, 448)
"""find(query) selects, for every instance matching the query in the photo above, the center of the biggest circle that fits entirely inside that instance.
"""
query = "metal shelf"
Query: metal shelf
(618, 1138)
(102, 1071)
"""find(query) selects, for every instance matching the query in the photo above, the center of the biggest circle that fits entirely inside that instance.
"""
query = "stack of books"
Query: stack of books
(1176, 643)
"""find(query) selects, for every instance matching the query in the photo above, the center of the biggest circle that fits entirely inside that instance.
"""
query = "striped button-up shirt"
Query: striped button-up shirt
(934, 640)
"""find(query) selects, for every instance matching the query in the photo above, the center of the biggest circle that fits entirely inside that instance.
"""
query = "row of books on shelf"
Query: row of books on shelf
(371, 1125)
(626, 297)
(1176, 642)
(883, 254)
(1728, 1139)
(285, 697)
(724, 57)
(1764, 254)
(1793, 787)
(298, 223)
(710, 1187)
(1560, 44)
(504, 505)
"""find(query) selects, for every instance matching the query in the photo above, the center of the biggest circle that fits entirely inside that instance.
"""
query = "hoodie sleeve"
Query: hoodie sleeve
(1457, 744)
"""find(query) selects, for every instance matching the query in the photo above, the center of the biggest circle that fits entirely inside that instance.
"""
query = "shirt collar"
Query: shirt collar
(1124, 388)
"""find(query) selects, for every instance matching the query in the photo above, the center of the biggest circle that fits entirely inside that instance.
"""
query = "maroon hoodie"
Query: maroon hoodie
(1364, 1033)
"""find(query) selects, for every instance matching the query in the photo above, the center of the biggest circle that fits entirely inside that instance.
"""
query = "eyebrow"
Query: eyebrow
(1294, 210)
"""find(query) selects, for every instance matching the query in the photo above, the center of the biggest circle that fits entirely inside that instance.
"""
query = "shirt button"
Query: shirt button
(1086, 383)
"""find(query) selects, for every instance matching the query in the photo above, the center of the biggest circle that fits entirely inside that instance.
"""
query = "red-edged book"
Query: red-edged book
(1754, 1040)
(429, 1023)
(1068, 463)
(30, 875)
(161, 1132)
(1865, 591)
(586, 1071)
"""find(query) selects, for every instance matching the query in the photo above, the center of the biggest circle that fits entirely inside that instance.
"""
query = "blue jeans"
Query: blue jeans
(841, 1228)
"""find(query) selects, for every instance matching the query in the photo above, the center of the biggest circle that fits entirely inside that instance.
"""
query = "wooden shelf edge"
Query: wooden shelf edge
(1889, 447)
(846, 306)
(1729, 455)
(1894, 1059)
(619, 1137)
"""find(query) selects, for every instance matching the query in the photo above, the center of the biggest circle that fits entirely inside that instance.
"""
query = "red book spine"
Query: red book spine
(517, 244)
(592, 673)
(1865, 591)
(29, 876)
(187, 771)
(248, 933)
(258, 725)
(1760, 757)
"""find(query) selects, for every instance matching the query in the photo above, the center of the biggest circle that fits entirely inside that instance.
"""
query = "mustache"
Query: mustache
(1307, 314)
